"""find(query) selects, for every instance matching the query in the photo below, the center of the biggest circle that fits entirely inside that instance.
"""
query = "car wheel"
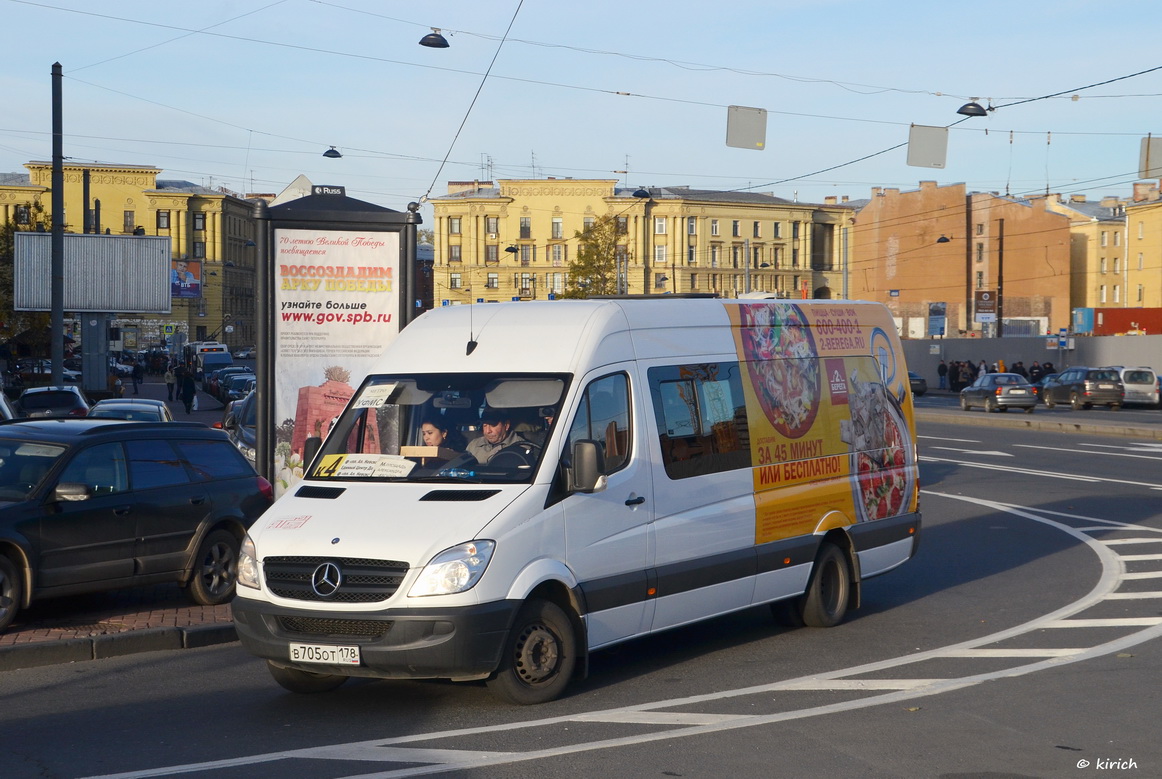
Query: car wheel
(964, 405)
(215, 569)
(539, 655)
(304, 682)
(990, 405)
(1049, 402)
(828, 590)
(1115, 406)
(11, 591)
(1075, 402)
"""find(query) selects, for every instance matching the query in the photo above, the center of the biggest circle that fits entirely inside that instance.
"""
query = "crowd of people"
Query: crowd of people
(958, 374)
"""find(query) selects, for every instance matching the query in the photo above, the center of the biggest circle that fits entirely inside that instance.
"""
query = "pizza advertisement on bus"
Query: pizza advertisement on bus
(827, 415)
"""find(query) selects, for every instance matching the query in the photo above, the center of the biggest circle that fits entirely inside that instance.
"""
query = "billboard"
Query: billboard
(102, 273)
(185, 279)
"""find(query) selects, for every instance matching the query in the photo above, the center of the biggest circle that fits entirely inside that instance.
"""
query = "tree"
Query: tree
(594, 270)
(18, 321)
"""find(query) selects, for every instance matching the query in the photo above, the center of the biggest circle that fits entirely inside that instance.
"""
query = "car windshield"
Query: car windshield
(1139, 377)
(23, 466)
(443, 427)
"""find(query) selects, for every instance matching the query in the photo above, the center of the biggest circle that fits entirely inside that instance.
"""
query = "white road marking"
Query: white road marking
(953, 440)
(1046, 474)
(972, 451)
(894, 690)
(1104, 454)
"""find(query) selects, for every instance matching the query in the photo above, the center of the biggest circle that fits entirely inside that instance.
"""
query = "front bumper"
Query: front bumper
(451, 643)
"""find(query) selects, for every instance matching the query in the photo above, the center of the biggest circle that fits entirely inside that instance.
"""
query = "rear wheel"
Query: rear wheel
(539, 655)
(990, 405)
(215, 569)
(11, 592)
(825, 602)
(304, 682)
(1115, 406)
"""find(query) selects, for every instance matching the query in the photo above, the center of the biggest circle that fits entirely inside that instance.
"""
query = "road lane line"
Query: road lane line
(1134, 595)
(1104, 454)
(1046, 474)
(1118, 622)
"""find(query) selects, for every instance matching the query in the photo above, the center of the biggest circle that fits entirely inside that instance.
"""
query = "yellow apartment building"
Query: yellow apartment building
(1097, 251)
(515, 239)
(211, 229)
(1143, 260)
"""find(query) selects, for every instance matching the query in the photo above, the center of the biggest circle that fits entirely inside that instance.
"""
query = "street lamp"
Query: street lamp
(972, 108)
(332, 153)
(622, 286)
(434, 40)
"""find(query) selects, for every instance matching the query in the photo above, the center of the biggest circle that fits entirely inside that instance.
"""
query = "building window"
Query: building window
(1102, 293)
(621, 257)
(558, 253)
(526, 227)
(980, 279)
(453, 225)
(1141, 231)
(492, 225)
(794, 256)
(795, 231)
(453, 254)
(492, 253)
(130, 223)
(980, 252)
(714, 227)
(163, 220)
(757, 230)
(1139, 293)
(714, 255)
(23, 215)
(526, 284)
(527, 255)
(199, 220)
(454, 281)
(199, 249)
(1139, 261)
(659, 255)
(1104, 239)
(659, 280)
(622, 225)
(1103, 264)
(777, 229)
(734, 251)
(691, 255)
(558, 228)
(776, 256)
(980, 228)
(1117, 237)
(691, 225)
(557, 283)
(735, 228)
(1117, 263)
(1117, 293)
(693, 281)
(659, 225)
(493, 281)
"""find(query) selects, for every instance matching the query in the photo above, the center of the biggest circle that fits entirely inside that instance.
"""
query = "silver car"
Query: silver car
(1141, 384)
(999, 392)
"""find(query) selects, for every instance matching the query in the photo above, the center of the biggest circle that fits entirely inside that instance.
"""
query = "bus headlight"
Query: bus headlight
(454, 570)
(248, 564)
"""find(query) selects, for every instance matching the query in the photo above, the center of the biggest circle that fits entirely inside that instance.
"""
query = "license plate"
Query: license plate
(1105, 386)
(1016, 392)
(324, 654)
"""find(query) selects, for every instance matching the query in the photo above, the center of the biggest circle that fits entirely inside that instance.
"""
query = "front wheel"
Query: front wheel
(215, 569)
(825, 602)
(304, 682)
(1049, 402)
(1075, 402)
(539, 655)
(11, 592)
(964, 403)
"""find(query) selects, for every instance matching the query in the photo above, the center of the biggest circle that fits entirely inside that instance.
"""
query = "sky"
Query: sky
(247, 94)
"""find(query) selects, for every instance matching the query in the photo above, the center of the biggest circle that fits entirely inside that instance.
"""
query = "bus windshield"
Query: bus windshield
(484, 428)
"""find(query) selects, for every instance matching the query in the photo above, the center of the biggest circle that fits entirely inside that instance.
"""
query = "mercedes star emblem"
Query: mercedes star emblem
(326, 579)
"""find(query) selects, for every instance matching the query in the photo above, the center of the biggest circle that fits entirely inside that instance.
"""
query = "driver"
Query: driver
(496, 425)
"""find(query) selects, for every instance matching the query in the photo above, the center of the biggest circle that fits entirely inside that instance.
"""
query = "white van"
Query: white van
(520, 484)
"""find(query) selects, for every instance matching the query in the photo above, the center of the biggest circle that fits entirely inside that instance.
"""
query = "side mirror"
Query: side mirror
(588, 464)
(229, 422)
(71, 490)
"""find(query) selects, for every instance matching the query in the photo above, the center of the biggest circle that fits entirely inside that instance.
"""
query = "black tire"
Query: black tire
(788, 613)
(964, 405)
(304, 682)
(539, 656)
(828, 591)
(215, 571)
(1049, 402)
(1115, 407)
(1075, 402)
(11, 592)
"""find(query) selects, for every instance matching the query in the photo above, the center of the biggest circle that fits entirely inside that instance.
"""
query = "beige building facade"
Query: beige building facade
(515, 239)
(1143, 258)
(212, 227)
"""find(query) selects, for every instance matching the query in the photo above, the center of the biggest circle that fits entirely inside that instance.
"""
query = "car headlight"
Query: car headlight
(248, 564)
(454, 570)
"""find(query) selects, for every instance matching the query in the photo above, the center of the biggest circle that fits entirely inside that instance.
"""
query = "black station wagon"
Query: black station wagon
(89, 505)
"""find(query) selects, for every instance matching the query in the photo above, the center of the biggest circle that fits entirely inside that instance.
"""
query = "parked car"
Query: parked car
(918, 383)
(245, 353)
(88, 505)
(53, 402)
(134, 409)
(240, 423)
(40, 371)
(1141, 384)
(1082, 387)
(237, 387)
(1039, 385)
(7, 408)
(999, 392)
(212, 384)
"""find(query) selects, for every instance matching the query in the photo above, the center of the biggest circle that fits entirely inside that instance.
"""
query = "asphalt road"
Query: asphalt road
(1023, 640)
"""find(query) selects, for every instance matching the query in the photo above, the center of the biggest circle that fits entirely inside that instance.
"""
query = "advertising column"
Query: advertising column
(335, 308)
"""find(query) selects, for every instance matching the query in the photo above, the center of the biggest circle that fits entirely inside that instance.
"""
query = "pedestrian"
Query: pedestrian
(189, 391)
(1001, 366)
(942, 373)
(981, 369)
(1019, 369)
(113, 384)
(170, 380)
(1035, 372)
(138, 376)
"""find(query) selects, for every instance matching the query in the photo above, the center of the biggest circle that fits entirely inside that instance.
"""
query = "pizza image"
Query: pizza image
(879, 454)
(780, 359)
